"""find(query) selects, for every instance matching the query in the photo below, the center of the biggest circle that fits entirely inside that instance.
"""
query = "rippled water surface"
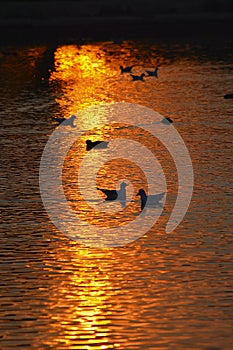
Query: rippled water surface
(162, 291)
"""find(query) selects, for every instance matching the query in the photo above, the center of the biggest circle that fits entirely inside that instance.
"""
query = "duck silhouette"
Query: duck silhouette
(66, 122)
(91, 144)
(138, 77)
(153, 73)
(151, 200)
(228, 96)
(126, 69)
(112, 195)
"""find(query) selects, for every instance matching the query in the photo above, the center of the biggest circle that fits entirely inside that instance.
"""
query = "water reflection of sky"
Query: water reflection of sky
(170, 290)
(84, 72)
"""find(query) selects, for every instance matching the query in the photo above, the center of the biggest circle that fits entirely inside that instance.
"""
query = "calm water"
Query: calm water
(163, 291)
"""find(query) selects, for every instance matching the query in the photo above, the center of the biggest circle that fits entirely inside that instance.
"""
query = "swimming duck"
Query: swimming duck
(227, 96)
(167, 120)
(91, 144)
(112, 195)
(153, 73)
(149, 200)
(138, 77)
(69, 121)
(126, 69)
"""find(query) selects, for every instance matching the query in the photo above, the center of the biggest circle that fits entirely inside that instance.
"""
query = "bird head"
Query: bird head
(140, 192)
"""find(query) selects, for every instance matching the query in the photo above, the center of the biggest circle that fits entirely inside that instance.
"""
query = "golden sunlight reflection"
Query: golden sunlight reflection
(85, 295)
(80, 71)
(86, 306)
(87, 75)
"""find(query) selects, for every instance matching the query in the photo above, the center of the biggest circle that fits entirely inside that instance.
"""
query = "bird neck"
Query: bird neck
(122, 193)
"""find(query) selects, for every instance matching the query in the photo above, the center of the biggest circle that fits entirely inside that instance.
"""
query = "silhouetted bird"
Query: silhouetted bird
(91, 144)
(227, 96)
(112, 195)
(66, 122)
(138, 77)
(167, 120)
(150, 200)
(153, 73)
(126, 69)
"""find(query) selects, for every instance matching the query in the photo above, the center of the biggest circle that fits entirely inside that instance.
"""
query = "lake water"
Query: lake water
(161, 291)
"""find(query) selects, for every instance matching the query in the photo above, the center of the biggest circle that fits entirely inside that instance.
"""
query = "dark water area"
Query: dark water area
(164, 290)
